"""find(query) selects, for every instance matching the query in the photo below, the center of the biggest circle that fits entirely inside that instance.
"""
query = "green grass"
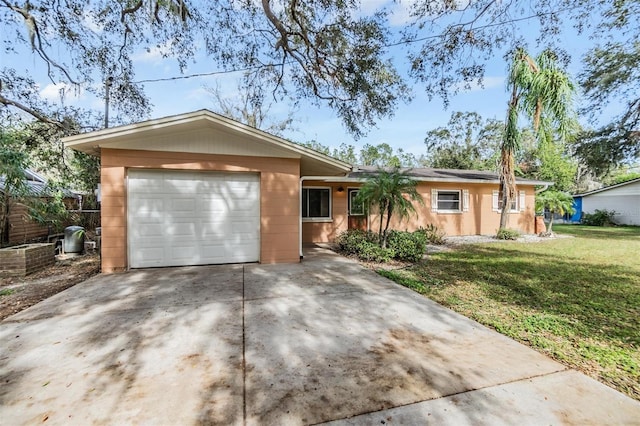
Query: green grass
(6, 291)
(574, 299)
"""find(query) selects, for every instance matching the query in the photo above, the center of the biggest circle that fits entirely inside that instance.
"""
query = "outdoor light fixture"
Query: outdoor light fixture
(340, 189)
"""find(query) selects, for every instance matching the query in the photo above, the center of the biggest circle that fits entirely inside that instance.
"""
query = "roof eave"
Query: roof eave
(427, 179)
(93, 141)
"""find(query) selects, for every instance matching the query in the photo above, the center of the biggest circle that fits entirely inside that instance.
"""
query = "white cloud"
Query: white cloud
(369, 7)
(60, 92)
(153, 55)
(401, 10)
(401, 13)
(91, 23)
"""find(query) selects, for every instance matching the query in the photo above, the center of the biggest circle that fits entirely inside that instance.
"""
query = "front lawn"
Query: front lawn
(575, 299)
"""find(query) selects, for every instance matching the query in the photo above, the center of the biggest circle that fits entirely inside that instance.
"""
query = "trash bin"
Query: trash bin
(73, 239)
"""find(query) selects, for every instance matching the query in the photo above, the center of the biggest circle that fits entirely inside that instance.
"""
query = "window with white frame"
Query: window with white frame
(449, 200)
(316, 203)
(517, 205)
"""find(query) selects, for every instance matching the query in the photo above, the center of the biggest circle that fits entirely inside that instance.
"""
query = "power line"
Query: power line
(482, 27)
(401, 42)
(202, 74)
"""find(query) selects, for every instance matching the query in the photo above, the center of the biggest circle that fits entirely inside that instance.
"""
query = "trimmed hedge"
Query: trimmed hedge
(408, 246)
(401, 245)
(508, 234)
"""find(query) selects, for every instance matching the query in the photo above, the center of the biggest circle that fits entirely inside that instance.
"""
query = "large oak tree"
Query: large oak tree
(334, 52)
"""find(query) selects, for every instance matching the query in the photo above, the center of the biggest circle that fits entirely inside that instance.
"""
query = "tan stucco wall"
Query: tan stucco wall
(322, 232)
(279, 200)
(479, 220)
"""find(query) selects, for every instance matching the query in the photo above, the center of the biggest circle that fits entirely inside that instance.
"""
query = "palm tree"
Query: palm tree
(541, 90)
(390, 191)
(555, 202)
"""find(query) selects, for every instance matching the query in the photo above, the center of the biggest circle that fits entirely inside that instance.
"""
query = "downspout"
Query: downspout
(300, 217)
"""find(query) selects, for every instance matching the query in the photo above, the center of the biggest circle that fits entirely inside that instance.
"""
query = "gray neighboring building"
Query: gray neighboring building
(623, 198)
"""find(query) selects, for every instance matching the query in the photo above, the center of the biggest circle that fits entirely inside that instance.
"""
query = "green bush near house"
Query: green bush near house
(372, 252)
(599, 218)
(433, 234)
(353, 240)
(507, 234)
(408, 246)
(401, 245)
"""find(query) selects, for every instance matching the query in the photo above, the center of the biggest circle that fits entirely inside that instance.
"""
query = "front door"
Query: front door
(357, 216)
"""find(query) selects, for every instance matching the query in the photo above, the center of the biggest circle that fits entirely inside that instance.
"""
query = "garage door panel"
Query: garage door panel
(190, 218)
(182, 204)
(149, 229)
(146, 205)
(214, 252)
(181, 232)
(242, 205)
(150, 256)
(183, 252)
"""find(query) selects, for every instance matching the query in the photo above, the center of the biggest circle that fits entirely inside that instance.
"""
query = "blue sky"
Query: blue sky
(406, 129)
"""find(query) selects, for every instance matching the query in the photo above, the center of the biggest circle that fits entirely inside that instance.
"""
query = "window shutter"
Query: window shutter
(522, 201)
(465, 200)
(434, 200)
(494, 201)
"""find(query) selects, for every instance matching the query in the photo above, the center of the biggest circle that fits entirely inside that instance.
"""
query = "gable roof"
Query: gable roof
(447, 175)
(606, 188)
(205, 132)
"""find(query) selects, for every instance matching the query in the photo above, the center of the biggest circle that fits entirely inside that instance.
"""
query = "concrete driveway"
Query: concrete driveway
(320, 341)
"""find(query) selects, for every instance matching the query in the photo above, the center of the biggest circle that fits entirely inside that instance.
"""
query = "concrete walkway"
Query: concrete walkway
(322, 341)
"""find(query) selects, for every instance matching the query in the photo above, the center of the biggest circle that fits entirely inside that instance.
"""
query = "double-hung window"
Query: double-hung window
(449, 200)
(316, 203)
(517, 205)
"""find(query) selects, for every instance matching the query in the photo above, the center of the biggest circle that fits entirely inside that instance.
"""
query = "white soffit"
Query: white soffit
(204, 132)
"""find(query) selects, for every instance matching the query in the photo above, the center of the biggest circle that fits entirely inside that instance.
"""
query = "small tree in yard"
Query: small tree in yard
(13, 162)
(390, 192)
(555, 202)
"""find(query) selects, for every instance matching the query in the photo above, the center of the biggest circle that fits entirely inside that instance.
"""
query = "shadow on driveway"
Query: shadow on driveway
(323, 340)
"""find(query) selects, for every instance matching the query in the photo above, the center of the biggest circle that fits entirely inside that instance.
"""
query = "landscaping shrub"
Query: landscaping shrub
(352, 240)
(433, 234)
(372, 252)
(508, 234)
(409, 246)
(599, 218)
(401, 245)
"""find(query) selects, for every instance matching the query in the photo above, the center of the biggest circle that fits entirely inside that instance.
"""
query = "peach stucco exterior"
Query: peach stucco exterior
(203, 141)
(479, 219)
(279, 198)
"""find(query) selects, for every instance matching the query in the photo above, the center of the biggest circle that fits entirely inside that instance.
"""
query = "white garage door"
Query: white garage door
(192, 218)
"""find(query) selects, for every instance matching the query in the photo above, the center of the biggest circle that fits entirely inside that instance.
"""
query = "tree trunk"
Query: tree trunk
(507, 185)
(4, 219)
(386, 228)
(550, 230)
(382, 209)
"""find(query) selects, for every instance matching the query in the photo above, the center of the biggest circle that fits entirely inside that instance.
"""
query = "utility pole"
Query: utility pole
(107, 88)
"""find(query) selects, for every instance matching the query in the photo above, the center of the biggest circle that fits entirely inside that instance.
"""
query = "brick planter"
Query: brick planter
(25, 259)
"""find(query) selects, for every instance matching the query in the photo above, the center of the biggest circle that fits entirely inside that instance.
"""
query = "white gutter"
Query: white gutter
(321, 179)
(544, 188)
